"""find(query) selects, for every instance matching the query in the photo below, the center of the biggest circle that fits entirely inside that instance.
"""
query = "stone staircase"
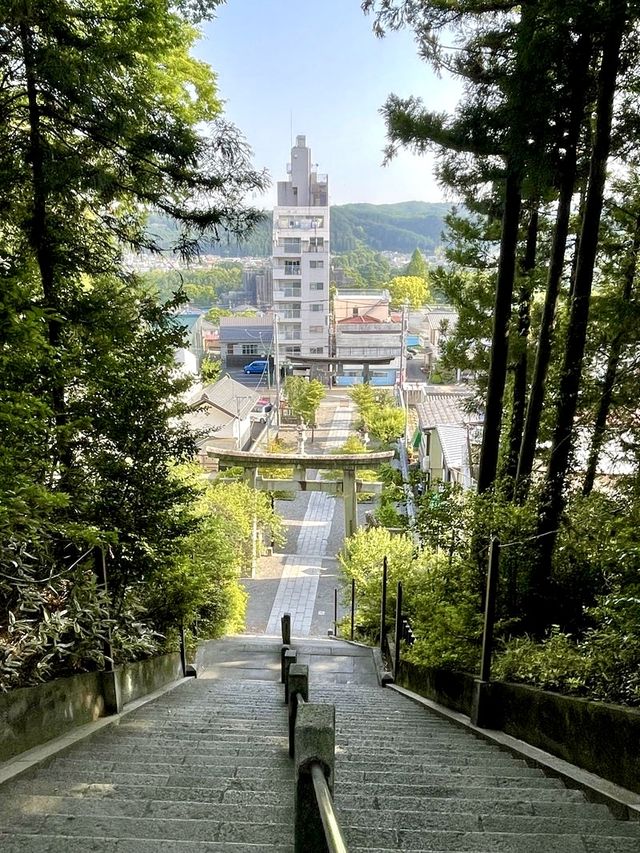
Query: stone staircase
(205, 768)
(406, 779)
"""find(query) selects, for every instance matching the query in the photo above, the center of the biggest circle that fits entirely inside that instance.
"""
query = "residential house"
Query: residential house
(244, 339)
(220, 415)
(365, 328)
(447, 439)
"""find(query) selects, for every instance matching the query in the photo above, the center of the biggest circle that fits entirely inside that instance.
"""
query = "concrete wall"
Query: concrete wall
(601, 738)
(31, 716)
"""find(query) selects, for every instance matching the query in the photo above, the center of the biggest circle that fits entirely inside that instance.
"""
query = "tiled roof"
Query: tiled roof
(443, 408)
(229, 396)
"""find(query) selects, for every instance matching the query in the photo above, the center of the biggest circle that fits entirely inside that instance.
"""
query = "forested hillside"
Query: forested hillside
(400, 227)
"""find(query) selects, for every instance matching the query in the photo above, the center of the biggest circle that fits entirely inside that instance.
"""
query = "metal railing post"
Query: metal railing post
(490, 608)
(335, 611)
(482, 706)
(183, 650)
(383, 606)
(396, 657)
(353, 607)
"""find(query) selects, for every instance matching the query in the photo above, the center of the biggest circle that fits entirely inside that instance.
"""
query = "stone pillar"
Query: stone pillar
(111, 692)
(314, 742)
(350, 501)
(298, 686)
(290, 656)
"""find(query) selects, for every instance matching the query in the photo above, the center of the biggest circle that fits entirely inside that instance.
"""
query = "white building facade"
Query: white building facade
(300, 258)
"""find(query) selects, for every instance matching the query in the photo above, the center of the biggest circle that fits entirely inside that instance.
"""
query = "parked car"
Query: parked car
(255, 367)
(260, 411)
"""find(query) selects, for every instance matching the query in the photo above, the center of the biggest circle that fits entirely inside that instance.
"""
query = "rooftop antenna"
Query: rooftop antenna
(291, 128)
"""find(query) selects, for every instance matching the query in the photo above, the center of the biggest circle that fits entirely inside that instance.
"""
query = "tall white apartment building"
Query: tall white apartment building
(301, 257)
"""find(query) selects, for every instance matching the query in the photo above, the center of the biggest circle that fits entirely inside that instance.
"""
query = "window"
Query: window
(294, 350)
(317, 285)
(249, 349)
(316, 265)
(354, 311)
(316, 350)
(316, 330)
(317, 307)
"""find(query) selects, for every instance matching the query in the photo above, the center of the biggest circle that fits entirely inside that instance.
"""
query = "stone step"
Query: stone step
(174, 829)
(170, 764)
(461, 821)
(422, 762)
(455, 802)
(266, 813)
(490, 787)
(100, 752)
(206, 735)
(226, 790)
(486, 842)
(22, 843)
(502, 776)
(260, 778)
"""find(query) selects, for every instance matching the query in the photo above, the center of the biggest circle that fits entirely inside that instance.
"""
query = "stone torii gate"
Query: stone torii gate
(348, 463)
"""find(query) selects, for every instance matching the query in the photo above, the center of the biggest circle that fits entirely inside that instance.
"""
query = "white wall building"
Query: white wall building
(301, 257)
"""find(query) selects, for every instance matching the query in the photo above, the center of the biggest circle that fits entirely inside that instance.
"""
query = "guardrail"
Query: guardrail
(312, 747)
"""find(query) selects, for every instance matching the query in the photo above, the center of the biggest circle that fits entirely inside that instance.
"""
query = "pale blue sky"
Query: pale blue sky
(315, 68)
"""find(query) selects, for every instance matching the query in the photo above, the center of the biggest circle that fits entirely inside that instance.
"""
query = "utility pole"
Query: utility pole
(276, 365)
(403, 367)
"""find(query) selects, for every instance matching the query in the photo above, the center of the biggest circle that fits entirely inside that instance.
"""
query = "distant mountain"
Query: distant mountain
(400, 227)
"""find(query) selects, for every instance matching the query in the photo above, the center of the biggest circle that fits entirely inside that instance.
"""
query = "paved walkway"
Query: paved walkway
(301, 579)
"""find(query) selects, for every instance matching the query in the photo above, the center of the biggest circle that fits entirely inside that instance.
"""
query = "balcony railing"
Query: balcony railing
(287, 293)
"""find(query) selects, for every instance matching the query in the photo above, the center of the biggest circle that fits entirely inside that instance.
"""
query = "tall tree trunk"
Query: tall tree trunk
(554, 277)
(611, 373)
(553, 498)
(500, 336)
(520, 369)
(40, 238)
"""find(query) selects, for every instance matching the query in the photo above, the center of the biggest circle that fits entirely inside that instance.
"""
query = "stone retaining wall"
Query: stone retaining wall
(31, 716)
(601, 738)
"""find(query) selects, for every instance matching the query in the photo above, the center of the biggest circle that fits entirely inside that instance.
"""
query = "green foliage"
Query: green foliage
(603, 664)
(443, 615)
(363, 267)
(387, 425)
(303, 397)
(373, 228)
(210, 370)
(362, 561)
(417, 266)
(410, 289)
(353, 444)
(378, 413)
(103, 119)
(388, 227)
(202, 288)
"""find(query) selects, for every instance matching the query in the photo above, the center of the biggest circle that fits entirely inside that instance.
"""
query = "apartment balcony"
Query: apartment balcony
(367, 352)
(287, 293)
(286, 272)
(290, 314)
